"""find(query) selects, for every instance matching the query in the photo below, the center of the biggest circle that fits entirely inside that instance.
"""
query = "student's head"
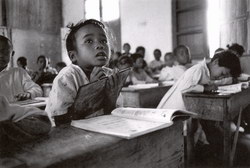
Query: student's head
(157, 54)
(6, 52)
(140, 50)
(126, 47)
(137, 60)
(60, 66)
(22, 62)
(237, 49)
(169, 59)
(182, 54)
(42, 62)
(124, 62)
(87, 44)
(224, 64)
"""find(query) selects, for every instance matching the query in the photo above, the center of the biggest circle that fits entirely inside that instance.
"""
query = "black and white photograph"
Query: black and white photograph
(124, 83)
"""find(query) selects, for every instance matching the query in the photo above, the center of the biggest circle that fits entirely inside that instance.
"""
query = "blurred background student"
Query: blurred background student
(157, 64)
(138, 74)
(44, 73)
(174, 72)
(22, 63)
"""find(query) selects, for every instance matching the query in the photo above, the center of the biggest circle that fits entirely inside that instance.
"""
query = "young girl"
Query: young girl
(138, 74)
(88, 49)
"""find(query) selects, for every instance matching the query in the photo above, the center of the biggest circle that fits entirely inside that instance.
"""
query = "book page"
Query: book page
(118, 126)
(148, 114)
(235, 88)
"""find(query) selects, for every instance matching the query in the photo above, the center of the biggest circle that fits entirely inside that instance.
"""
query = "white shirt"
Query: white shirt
(64, 89)
(16, 112)
(15, 81)
(172, 73)
(192, 80)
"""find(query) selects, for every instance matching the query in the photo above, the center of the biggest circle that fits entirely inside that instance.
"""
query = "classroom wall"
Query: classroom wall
(147, 23)
(35, 29)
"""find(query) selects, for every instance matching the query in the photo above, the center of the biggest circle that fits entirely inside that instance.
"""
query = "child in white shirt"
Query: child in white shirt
(200, 78)
(88, 48)
(16, 83)
(182, 56)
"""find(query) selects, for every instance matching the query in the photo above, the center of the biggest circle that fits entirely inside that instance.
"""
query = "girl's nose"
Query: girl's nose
(99, 47)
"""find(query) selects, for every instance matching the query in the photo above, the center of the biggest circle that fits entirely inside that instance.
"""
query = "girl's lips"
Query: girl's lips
(101, 54)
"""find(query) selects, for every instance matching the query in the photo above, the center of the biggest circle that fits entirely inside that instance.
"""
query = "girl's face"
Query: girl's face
(139, 63)
(91, 47)
(218, 72)
(41, 63)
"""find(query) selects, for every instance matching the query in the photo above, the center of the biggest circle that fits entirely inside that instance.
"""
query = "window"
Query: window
(104, 10)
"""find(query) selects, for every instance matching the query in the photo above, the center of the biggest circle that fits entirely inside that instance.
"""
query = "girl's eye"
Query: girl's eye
(104, 41)
(89, 41)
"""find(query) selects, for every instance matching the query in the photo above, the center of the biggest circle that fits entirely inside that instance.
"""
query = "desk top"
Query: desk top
(72, 147)
(138, 89)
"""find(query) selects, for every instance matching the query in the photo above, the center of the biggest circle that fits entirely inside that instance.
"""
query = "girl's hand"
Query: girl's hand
(97, 74)
(23, 96)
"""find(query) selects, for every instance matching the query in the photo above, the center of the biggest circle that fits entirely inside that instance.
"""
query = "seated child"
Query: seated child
(156, 65)
(169, 59)
(88, 49)
(16, 83)
(138, 74)
(199, 79)
(21, 124)
(126, 48)
(22, 63)
(182, 55)
(44, 74)
(123, 63)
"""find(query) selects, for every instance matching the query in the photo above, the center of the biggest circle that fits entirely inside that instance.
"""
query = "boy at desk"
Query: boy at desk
(88, 49)
(200, 78)
(15, 83)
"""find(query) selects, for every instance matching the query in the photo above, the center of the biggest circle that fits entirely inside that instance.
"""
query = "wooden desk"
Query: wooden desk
(75, 148)
(218, 108)
(144, 98)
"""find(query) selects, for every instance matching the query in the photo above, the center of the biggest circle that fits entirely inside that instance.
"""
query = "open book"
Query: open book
(234, 88)
(132, 122)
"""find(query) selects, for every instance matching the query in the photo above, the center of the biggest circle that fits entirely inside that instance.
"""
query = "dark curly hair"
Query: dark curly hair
(70, 40)
(238, 49)
(229, 60)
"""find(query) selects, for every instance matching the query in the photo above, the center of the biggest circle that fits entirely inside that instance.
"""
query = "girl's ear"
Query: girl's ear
(72, 56)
